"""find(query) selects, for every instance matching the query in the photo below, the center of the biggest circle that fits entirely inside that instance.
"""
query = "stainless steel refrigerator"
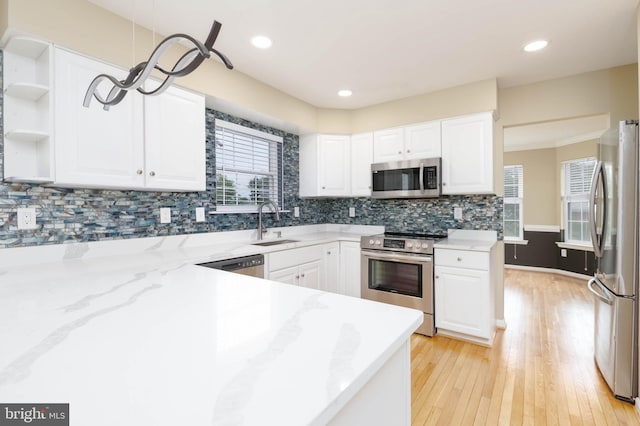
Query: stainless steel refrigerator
(613, 217)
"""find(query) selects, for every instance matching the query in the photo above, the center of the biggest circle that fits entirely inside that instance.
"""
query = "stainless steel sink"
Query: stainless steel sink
(274, 243)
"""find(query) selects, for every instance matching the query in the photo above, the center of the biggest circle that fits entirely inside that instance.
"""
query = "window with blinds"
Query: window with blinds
(577, 183)
(248, 167)
(513, 196)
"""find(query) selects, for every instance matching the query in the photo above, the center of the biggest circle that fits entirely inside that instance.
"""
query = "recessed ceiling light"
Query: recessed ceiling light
(345, 93)
(261, 42)
(536, 45)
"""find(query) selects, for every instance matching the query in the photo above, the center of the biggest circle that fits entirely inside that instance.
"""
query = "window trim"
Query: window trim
(515, 200)
(229, 209)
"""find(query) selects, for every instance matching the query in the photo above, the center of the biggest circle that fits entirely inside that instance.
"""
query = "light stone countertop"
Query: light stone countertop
(468, 240)
(151, 339)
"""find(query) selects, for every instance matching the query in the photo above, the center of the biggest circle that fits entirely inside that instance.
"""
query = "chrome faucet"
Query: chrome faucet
(274, 208)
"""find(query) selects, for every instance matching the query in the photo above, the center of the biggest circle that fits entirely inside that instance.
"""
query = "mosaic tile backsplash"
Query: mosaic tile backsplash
(68, 215)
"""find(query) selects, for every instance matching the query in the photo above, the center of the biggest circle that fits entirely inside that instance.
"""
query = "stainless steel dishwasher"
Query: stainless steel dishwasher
(252, 266)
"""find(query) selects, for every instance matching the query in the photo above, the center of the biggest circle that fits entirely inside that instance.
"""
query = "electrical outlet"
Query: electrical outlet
(457, 213)
(352, 212)
(165, 215)
(27, 218)
(296, 212)
(563, 252)
(199, 214)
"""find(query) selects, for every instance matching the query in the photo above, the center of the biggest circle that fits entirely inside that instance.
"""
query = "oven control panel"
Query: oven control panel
(405, 245)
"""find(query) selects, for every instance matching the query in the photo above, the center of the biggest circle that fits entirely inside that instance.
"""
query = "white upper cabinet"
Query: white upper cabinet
(388, 145)
(175, 139)
(422, 140)
(361, 159)
(467, 154)
(94, 147)
(407, 143)
(144, 142)
(325, 162)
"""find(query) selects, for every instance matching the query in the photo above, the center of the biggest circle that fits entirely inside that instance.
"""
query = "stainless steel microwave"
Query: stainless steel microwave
(406, 179)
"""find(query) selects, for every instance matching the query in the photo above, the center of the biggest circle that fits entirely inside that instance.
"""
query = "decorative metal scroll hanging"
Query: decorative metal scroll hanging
(138, 74)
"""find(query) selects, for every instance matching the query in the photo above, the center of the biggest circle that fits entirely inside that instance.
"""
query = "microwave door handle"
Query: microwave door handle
(422, 177)
(593, 221)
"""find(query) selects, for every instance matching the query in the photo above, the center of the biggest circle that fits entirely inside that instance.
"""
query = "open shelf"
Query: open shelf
(22, 135)
(26, 46)
(28, 91)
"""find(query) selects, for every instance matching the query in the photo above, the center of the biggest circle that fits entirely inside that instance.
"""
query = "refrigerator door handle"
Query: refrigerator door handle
(597, 243)
(601, 294)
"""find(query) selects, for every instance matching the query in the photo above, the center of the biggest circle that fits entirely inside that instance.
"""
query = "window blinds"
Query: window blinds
(513, 181)
(248, 167)
(578, 176)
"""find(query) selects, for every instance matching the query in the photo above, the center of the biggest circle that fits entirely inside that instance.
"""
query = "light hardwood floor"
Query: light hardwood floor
(540, 370)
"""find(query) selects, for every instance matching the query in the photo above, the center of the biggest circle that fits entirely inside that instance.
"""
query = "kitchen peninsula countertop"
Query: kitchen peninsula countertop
(160, 341)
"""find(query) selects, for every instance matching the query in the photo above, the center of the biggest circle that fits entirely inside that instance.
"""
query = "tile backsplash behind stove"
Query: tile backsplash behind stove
(68, 215)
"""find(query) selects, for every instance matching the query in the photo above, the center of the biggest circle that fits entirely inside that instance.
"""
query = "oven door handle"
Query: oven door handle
(422, 177)
(399, 257)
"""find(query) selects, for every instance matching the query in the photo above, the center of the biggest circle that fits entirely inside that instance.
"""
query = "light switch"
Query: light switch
(563, 252)
(296, 212)
(199, 214)
(352, 212)
(165, 215)
(457, 213)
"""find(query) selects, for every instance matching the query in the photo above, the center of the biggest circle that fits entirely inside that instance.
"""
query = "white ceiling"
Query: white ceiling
(390, 49)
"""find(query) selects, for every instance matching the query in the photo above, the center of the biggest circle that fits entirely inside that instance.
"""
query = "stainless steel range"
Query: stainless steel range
(397, 268)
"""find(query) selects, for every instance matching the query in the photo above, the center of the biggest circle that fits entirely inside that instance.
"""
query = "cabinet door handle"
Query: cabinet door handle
(152, 173)
(139, 172)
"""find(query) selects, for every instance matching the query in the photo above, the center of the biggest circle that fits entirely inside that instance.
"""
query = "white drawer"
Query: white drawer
(462, 259)
(294, 257)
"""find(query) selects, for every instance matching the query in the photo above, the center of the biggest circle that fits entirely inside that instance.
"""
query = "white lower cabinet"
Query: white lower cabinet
(302, 266)
(332, 267)
(464, 295)
(349, 268)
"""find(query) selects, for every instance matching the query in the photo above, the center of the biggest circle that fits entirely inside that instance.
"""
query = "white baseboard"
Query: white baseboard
(637, 405)
(501, 324)
(549, 270)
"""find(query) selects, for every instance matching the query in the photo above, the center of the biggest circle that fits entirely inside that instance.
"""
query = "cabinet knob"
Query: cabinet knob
(408, 150)
(459, 259)
(437, 277)
(297, 276)
(444, 183)
(152, 173)
(399, 152)
(139, 172)
(323, 187)
(302, 276)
